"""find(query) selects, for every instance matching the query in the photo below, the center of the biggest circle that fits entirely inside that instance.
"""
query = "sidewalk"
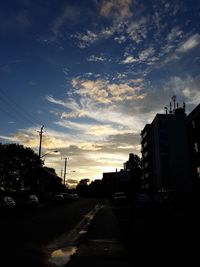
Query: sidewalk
(102, 245)
(159, 239)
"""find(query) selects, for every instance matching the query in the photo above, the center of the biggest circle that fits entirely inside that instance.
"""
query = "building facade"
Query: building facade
(165, 153)
(193, 129)
(147, 175)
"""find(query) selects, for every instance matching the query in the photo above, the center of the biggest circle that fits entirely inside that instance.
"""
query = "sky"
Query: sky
(93, 73)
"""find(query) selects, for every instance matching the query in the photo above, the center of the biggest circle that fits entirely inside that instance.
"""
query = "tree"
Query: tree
(82, 187)
(19, 167)
(50, 182)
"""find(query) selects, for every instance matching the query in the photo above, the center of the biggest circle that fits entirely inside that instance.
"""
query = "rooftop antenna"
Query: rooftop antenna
(174, 100)
(184, 106)
(170, 109)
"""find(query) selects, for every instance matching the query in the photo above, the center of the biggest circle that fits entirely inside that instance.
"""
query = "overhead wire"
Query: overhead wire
(20, 113)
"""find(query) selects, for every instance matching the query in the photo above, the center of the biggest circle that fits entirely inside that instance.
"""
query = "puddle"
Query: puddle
(60, 257)
(66, 245)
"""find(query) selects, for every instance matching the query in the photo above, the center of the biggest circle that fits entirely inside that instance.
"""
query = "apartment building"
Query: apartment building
(193, 130)
(165, 153)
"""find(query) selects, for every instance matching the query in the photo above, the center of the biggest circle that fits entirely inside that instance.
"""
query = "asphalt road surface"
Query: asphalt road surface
(24, 234)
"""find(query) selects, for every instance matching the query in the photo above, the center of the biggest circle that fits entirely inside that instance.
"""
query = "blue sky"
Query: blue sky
(94, 73)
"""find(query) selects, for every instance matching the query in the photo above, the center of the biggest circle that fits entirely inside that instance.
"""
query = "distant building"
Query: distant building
(129, 164)
(122, 180)
(116, 181)
(193, 128)
(165, 153)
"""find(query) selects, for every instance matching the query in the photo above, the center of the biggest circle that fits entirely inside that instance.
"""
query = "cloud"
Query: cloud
(190, 43)
(137, 29)
(85, 39)
(54, 101)
(97, 58)
(128, 60)
(117, 9)
(174, 34)
(145, 54)
(104, 130)
(186, 87)
(70, 13)
(101, 91)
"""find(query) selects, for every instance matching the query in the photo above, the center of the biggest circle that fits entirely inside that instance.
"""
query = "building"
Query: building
(193, 129)
(165, 153)
(147, 175)
(122, 180)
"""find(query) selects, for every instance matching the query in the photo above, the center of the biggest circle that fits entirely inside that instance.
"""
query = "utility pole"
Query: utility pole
(65, 169)
(40, 146)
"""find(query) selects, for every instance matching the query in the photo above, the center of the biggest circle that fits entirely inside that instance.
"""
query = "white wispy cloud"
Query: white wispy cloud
(85, 39)
(192, 42)
(129, 59)
(94, 58)
(186, 87)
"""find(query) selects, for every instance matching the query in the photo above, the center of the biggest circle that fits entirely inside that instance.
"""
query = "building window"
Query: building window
(193, 124)
(145, 144)
(144, 135)
(196, 147)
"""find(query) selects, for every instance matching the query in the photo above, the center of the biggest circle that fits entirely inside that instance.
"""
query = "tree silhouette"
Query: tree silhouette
(82, 187)
(19, 167)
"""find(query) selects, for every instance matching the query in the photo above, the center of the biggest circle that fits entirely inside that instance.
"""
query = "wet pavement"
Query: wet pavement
(118, 236)
(60, 250)
(158, 236)
(102, 245)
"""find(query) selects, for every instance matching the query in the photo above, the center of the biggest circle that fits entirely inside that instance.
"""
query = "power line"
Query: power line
(18, 110)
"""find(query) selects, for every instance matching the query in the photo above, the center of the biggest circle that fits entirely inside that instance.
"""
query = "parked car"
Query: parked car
(66, 196)
(7, 202)
(74, 196)
(32, 201)
(27, 201)
(58, 198)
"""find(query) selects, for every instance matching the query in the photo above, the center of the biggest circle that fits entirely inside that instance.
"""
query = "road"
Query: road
(25, 234)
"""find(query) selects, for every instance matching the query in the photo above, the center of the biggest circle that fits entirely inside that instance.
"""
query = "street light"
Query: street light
(55, 151)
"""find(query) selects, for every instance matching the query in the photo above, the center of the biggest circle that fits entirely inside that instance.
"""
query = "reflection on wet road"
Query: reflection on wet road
(60, 257)
(63, 247)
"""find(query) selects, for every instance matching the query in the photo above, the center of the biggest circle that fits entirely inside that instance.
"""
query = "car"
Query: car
(74, 196)
(66, 196)
(27, 201)
(7, 202)
(120, 198)
(32, 201)
(58, 198)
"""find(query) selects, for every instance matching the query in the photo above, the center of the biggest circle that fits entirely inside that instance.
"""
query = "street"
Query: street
(24, 234)
(164, 236)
